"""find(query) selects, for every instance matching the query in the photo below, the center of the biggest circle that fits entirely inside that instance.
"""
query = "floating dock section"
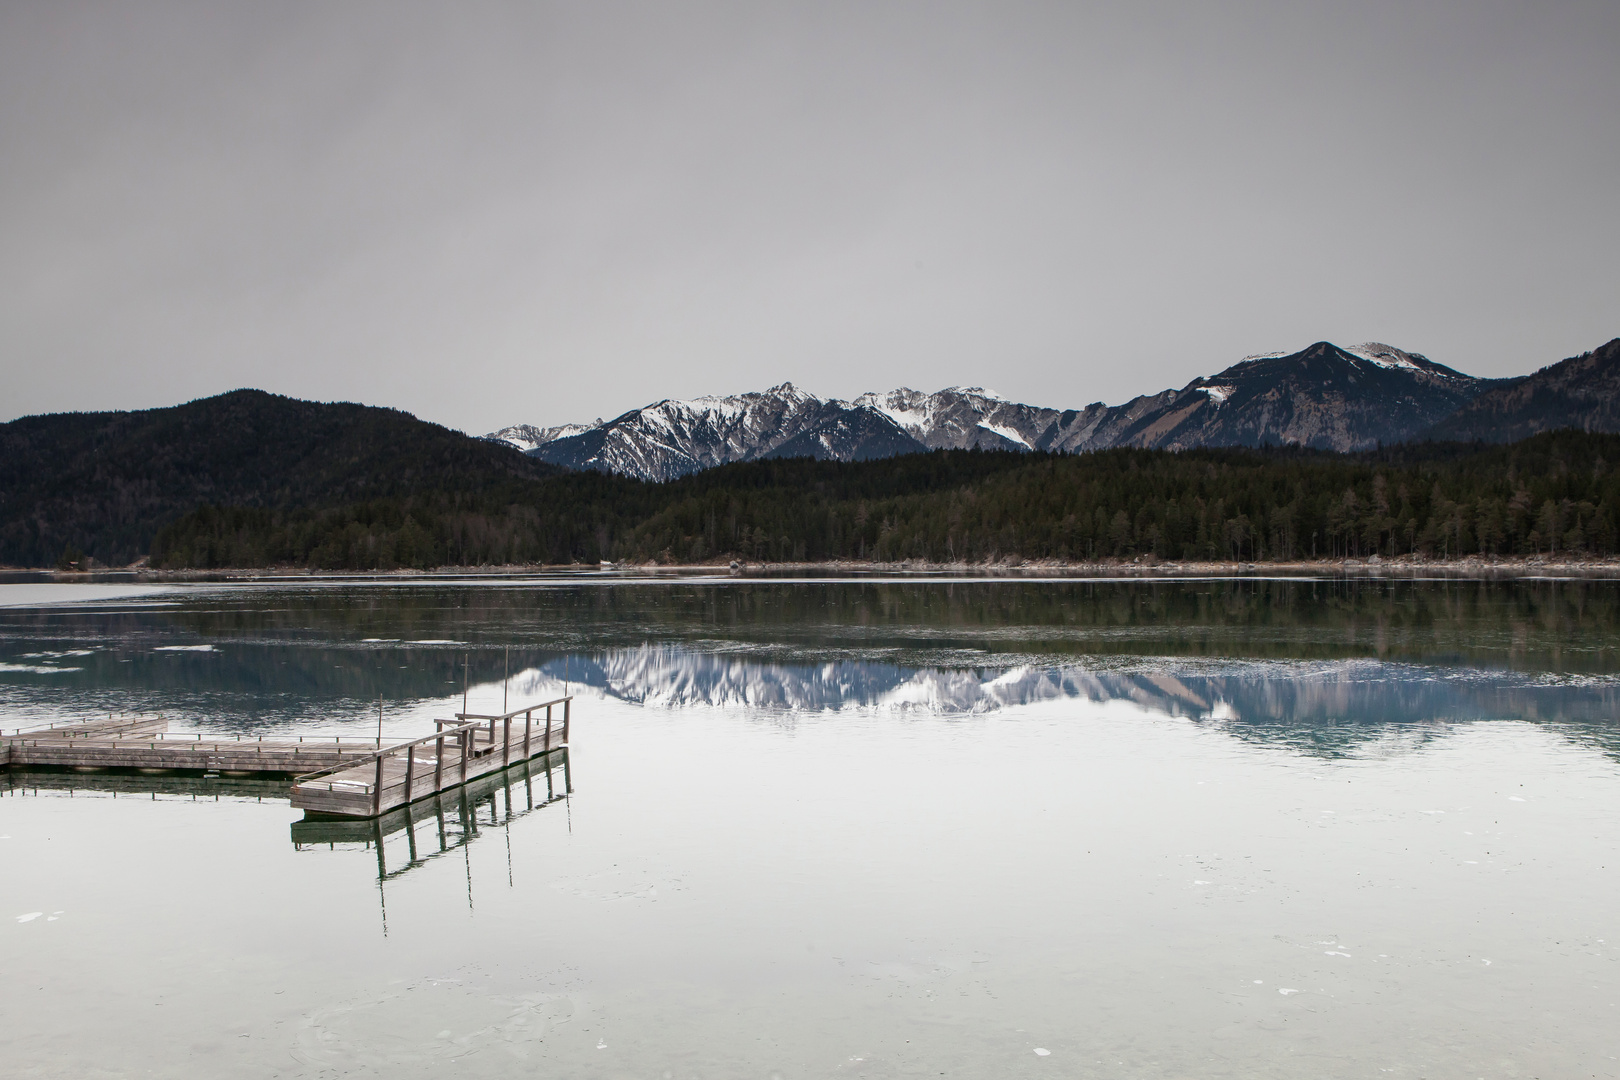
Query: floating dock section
(330, 776)
(441, 823)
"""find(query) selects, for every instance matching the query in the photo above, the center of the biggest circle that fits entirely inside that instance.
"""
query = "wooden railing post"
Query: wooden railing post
(506, 741)
(566, 710)
(438, 764)
(548, 728)
(376, 791)
(528, 722)
(410, 772)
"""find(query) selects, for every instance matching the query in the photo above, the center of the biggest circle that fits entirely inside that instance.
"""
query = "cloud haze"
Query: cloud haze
(488, 214)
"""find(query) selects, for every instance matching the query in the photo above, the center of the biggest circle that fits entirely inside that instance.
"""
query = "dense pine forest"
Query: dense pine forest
(1554, 494)
(102, 484)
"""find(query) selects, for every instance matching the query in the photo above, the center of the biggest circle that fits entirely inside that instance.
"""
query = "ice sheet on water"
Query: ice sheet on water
(43, 594)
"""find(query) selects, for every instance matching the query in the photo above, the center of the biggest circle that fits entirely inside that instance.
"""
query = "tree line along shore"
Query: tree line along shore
(1553, 497)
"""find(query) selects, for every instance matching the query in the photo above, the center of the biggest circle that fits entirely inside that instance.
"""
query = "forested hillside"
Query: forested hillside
(104, 483)
(1582, 392)
(1556, 493)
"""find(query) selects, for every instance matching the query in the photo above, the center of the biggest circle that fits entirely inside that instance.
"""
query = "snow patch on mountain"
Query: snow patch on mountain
(1012, 435)
(527, 437)
(1387, 356)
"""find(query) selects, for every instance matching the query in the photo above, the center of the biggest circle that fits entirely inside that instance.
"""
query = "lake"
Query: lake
(836, 827)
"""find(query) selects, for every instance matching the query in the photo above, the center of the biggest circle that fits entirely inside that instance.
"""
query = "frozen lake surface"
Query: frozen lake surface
(964, 828)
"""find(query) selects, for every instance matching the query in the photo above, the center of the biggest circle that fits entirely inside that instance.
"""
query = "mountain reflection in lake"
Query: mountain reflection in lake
(1319, 665)
(1322, 707)
(1241, 828)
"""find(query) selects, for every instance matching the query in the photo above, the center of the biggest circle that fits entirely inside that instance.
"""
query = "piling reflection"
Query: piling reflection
(418, 833)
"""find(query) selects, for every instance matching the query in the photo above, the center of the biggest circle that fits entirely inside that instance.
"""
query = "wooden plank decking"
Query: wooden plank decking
(146, 743)
(343, 777)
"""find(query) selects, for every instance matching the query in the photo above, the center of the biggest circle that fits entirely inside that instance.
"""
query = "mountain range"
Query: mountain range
(252, 479)
(1323, 397)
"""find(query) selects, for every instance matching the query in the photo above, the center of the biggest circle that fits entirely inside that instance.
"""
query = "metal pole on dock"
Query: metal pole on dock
(464, 682)
(379, 721)
(506, 676)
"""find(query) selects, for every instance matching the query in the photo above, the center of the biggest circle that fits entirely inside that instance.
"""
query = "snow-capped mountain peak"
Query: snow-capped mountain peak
(1322, 395)
(1387, 356)
(527, 437)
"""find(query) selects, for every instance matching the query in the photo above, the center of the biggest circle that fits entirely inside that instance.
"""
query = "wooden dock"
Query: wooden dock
(330, 775)
(460, 751)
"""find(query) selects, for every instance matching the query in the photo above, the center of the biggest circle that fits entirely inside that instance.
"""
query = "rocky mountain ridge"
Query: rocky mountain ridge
(1324, 396)
(1581, 392)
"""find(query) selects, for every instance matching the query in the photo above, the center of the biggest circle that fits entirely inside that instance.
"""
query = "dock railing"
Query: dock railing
(463, 735)
(527, 712)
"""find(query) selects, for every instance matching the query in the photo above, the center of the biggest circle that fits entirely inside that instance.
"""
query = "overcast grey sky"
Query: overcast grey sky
(497, 213)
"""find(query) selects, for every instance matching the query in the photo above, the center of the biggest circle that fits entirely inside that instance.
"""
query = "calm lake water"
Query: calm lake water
(838, 828)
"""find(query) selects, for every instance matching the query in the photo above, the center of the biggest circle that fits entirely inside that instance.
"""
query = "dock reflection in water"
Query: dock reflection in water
(402, 839)
(136, 784)
(418, 833)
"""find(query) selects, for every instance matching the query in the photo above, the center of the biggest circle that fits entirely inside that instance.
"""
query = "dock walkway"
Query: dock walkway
(330, 775)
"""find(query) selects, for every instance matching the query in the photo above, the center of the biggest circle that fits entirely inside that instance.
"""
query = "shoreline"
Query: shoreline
(1473, 568)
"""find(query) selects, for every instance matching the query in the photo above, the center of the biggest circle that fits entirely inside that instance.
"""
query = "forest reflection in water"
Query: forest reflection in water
(1323, 665)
